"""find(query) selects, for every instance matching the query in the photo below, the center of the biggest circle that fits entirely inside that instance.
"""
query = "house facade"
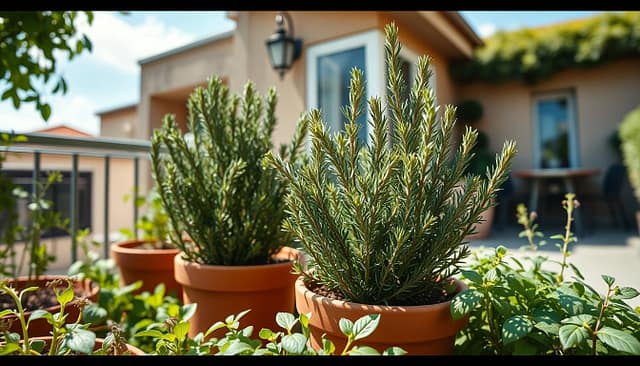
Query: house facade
(582, 106)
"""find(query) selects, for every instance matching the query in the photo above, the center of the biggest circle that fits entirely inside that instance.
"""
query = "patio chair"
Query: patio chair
(612, 187)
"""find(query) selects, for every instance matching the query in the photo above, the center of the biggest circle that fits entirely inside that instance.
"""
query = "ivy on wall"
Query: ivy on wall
(531, 55)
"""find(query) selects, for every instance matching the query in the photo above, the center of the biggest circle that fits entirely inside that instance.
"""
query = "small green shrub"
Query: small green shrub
(385, 223)
(518, 309)
(213, 187)
(629, 132)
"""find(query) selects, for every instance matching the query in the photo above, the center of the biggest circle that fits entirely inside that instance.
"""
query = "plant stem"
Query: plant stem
(25, 335)
(57, 324)
(492, 330)
(346, 346)
(594, 334)
(568, 206)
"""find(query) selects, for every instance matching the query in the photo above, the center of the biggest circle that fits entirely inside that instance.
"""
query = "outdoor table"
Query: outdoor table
(568, 176)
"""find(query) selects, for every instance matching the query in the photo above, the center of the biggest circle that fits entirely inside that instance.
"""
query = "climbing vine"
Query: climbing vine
(531, 55)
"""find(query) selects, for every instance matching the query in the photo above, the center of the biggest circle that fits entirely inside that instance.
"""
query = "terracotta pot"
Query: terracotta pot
(40, 327)
(483, 229)
(133, 350)
(419, 330)
(221, 291)
(152, 266)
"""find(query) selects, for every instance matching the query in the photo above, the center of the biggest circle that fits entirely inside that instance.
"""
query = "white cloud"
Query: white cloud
(487, 29)
(75, 111)
(119, 44)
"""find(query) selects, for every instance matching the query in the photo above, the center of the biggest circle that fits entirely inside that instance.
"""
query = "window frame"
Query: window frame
(573, 148)
(373, 43)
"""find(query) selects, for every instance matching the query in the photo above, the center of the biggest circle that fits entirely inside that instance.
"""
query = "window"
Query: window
(60, 194)
(329, 71)
(555, 140)
(329, 67)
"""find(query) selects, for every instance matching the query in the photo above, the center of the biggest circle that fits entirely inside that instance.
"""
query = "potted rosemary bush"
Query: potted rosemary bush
(225, 208)
(383, 225)
(149, 258)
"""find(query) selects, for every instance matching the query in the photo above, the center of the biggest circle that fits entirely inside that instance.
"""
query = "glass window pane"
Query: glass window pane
(553, 124)
(334, 75)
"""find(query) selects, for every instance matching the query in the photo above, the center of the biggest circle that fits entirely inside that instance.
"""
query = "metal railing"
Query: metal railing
(75, 147)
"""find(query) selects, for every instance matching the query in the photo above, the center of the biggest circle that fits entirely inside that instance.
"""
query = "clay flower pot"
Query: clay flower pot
(99, 341)
(40, 327)
(221, 291)
(419, 330)
(152, 266)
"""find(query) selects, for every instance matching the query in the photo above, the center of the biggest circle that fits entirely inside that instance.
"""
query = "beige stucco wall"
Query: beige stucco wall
(603, 95)
(120, 184)
(178, 71)
(244, 57)
(119, 124)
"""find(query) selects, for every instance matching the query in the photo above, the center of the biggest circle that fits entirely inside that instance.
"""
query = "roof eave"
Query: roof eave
(196, 44)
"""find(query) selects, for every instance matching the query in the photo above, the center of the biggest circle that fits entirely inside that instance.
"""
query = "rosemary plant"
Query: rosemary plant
(213, 187)
(385, 223)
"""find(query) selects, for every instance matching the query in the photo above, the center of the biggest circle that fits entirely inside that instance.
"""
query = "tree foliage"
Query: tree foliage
(30, 44)
(385, 223)
(531, 55)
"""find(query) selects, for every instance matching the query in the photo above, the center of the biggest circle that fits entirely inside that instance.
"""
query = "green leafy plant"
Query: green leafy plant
(154, 224)
(8, 212)
(174, 338)
(42, 217)
(523, 309)
(213, 186)
(531, 55)
(629, 132)
(385, 223)
(65, 338)
(118, 307)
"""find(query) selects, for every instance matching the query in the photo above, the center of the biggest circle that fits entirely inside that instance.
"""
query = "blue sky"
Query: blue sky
(110, 75)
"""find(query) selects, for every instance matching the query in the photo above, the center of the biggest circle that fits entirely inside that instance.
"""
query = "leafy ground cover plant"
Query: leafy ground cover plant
(66, 339)
(174, 339)
(118, 307)
(527, 309)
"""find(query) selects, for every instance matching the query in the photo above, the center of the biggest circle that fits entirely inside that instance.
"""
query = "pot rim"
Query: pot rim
(307, 293)
(290, 253)
(92, 285)
(125, 247)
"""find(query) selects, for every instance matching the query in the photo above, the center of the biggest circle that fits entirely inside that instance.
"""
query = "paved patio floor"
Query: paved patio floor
(605, 251)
